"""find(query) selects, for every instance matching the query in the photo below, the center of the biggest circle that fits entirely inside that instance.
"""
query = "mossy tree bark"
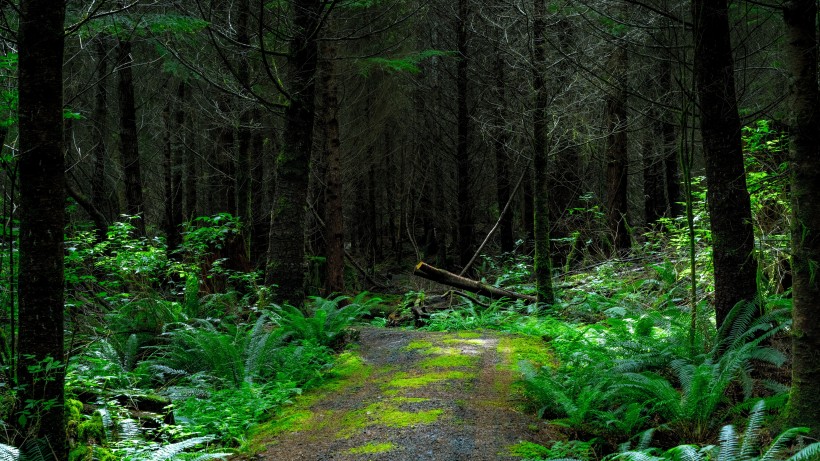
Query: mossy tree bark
(541, 221)
(40, 367)
(804, 400)
(728, 199)
(286, 263)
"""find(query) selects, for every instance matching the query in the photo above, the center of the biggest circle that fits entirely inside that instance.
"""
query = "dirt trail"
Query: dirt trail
(414, 396)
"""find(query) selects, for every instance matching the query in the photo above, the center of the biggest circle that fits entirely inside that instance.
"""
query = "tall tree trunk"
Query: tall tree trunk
(334, 217)
(191, 177)
(616, 150)
(804, 400)
(41, 356)
(542, 263)
(729, 207)
(286, 245)
(99, 152)
(129, 144)
(672, 176)
(173, 118)
(260, 214)
(463, 164)
(502, 160)
(244, 154)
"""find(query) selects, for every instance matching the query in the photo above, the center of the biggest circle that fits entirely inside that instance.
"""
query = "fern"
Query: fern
(733, 449)
(174, 450)
(8, 453)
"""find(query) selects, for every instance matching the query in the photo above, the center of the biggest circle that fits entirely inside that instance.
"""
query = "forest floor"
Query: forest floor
(414, 395)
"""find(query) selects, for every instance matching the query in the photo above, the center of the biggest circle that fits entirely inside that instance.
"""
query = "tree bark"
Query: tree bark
(463, 164)
(286, 263)
(801, 32)
(616, 150)
(444, 277)
(334, 218)
(99, 152)
(40, 361)
(129, 143)
(502, 160)
(541, 230)
(728, 199)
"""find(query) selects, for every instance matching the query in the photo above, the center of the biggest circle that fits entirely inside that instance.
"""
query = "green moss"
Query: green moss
(403, 380)
(529, 450)
(385, 414)
(514, 349)
(398, 418)
(450, 361)
(73, 409)
(91, 430)
(468, 334)
(91, 453)
(418, 345)
(371, 448)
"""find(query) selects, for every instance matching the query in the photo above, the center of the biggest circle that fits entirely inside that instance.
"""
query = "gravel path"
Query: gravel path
(416, 396)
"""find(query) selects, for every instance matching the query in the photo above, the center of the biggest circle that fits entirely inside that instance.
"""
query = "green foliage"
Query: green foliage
(732, 447)
(325, 322)
(229, 413)
(409, 63)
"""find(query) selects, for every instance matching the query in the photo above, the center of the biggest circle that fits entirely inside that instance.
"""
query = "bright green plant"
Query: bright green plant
(732, 447)
(326, 321)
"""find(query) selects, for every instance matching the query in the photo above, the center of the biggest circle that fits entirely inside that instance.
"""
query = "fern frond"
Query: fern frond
(728, 444)
(685, 453)
(8, 453)
(781, 443)
(751, 437)
(808, 453)
(170, 451)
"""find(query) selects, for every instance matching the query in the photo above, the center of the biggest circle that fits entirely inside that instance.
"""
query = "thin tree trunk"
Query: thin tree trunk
(41, 356)
(500, 140)
(129, 144)
(99, 151)
(334, 218)
(729, 206)
(463, 164)
(804, 398)
(542, 262)
(616, 151)
(286, 263)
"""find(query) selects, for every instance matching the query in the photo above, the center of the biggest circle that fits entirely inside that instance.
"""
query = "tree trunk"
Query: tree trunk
(541, 231)
(729, 207)
(502, 161)
(334, 218)
(40, 361)
(616, 151)
(286, 246)
(171, 169)
(129, 144)
(444, 277)
(99, 152)
(464, 179)
(804, 399)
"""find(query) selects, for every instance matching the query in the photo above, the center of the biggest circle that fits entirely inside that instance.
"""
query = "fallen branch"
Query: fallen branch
(444, 277)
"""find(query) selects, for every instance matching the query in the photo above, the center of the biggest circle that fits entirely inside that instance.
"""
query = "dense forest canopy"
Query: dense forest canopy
(199, 198)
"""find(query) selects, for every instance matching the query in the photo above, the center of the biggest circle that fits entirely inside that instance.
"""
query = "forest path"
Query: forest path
(413, 395)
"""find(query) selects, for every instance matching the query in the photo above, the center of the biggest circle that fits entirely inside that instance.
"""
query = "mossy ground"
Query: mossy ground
(408, 395)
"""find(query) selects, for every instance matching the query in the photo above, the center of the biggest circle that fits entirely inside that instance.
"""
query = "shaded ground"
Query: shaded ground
(410, 395)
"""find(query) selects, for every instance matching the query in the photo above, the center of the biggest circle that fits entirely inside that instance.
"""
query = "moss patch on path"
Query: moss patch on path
(411, 395)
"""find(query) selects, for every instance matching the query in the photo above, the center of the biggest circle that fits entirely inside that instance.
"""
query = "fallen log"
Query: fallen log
(444, 277)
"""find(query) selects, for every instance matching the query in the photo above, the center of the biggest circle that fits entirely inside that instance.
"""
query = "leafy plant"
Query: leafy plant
(732, 447)
(326, 322)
